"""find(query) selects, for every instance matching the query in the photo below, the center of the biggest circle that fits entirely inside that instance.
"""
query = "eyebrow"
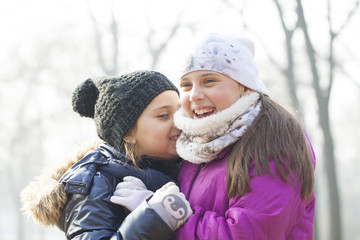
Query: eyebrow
(207, 74)
(201, 75)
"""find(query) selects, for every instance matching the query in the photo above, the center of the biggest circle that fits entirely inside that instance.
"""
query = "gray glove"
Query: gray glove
(171, 205)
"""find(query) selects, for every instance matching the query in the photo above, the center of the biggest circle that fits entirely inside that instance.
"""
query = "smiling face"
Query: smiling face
(204, 93)
(154, 133)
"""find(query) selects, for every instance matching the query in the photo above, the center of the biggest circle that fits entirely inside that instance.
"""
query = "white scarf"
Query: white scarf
(203, 139)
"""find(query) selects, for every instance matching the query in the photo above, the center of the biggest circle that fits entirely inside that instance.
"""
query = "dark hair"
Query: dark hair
(274, 135)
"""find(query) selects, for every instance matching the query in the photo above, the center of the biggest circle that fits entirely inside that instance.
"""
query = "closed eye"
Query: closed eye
(185, 85)
(165, 115)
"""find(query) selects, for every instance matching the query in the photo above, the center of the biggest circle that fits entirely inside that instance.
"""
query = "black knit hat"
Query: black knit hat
(115, 103)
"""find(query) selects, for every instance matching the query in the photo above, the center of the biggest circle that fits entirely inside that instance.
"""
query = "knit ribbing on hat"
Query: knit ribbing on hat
(229, 55)
(121, 100)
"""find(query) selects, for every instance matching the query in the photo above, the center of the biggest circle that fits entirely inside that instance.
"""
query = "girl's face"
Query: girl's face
(155, 134)
(204, 93)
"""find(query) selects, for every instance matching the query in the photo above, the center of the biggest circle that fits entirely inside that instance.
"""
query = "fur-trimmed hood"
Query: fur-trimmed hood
(44, 198)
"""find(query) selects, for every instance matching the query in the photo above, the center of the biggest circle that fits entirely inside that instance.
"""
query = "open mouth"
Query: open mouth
(204, 112)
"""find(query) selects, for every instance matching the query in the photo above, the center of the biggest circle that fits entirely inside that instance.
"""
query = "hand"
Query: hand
(171, 205)
(130, 193)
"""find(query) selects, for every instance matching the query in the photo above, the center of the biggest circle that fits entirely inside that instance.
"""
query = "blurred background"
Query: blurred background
(307, 51)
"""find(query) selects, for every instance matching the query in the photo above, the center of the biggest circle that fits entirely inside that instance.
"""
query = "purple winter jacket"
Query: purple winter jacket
(272, 210)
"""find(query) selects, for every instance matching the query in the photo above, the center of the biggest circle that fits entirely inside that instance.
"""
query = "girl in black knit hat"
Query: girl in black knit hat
(133, 115)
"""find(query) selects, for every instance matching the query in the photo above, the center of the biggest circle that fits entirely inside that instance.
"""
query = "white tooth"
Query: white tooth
(202, 111)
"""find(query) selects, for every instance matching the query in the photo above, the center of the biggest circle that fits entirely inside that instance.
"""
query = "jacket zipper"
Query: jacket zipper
(197, 174)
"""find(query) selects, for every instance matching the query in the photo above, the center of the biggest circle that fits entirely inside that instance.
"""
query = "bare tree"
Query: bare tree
(112, 67)
(290, 77)
(24, 143)
(24, 147)
(288, 70)
(157, 50)
(323, 97)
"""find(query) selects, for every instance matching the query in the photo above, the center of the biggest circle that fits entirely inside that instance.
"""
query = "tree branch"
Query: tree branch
(156, 51)
(115, 34)
(98, 40)
(349, 17)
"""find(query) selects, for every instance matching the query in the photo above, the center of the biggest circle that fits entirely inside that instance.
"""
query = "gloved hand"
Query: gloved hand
(130, 193)
(171, 205)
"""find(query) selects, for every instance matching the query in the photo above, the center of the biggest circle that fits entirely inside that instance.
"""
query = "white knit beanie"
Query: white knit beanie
(230, 55)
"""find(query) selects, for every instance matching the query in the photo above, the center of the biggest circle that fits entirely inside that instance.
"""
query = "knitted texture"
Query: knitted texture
(229, 55)
(115, 103)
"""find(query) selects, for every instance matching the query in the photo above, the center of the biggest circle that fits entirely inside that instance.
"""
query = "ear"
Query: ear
(248, 92)
(129, 139)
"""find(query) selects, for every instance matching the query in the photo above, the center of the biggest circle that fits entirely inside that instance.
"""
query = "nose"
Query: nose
(196, 94)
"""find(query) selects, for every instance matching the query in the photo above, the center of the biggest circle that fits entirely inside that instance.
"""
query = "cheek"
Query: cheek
(223, 101)
(163, 132)
(146, 141)
(159, 140)
(159, 130)
(184, 98)
(185, 104)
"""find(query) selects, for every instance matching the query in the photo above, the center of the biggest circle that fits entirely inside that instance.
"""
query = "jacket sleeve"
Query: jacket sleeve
(270, 211)
(92, 215)
(144, 223)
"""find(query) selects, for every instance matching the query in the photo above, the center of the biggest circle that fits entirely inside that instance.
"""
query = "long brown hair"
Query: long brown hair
(275, 134)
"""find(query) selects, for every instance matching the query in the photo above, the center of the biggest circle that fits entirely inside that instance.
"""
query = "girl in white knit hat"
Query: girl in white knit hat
(248, 169)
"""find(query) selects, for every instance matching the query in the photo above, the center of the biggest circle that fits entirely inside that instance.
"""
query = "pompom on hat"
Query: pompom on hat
(115, 103)
(230, 55)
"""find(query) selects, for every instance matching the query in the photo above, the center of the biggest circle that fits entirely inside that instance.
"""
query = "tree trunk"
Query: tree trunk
(322, 98)
(330, 169)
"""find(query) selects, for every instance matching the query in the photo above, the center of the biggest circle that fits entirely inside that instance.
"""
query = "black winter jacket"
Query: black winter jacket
(86, 212)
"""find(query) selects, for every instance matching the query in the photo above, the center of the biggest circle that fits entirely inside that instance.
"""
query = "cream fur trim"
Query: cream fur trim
(202, 126)
(43, 198)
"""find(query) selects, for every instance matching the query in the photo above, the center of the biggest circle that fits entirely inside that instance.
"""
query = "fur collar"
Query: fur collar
(44, 198)
(203, 139)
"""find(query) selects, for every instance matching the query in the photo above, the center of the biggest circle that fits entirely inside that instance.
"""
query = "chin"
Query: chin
(173, 155)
